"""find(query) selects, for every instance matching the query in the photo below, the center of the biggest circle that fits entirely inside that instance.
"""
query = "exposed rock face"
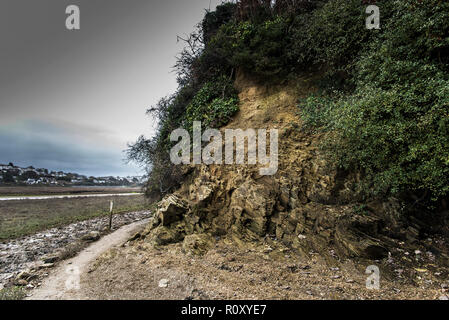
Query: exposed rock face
(307, 205)
(171, 209)
(163, 235)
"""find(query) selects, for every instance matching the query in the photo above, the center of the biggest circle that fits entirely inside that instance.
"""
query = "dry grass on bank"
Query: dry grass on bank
(24, 217)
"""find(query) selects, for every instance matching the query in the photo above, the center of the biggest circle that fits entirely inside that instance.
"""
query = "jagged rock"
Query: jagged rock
(22, 283)
(50, 258)
(23, 275)
(202, 193)
(205, 193)
(163, 235)
(412, 234)
(91, 237)
(171, 209)
(197, 244)
(253, 204)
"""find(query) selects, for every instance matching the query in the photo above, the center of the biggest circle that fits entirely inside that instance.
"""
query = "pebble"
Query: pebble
(350, 281)
(23, 275)
(47, 266)
(268, 250)
(22, 283)
(50, 258)
(443, 298)
(399, 271)
(163, 283)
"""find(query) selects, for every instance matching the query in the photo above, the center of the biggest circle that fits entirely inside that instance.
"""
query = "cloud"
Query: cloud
(62, 146)
(73, 100)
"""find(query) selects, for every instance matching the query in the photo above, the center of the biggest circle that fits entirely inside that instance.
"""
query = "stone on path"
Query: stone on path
(163, 283)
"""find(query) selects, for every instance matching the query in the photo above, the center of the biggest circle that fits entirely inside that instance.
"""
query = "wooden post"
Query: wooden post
(111, 209)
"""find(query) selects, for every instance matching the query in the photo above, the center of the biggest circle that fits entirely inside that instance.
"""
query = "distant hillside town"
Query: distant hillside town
(15, 175)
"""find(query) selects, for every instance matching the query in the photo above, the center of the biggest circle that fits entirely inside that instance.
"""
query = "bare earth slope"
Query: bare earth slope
(230, 272)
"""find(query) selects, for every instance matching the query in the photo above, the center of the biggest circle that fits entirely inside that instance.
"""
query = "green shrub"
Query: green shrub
(395, 126)
(258, 49)
(398, 142)
(213, 20)
(214, 105)
(316, 111)
(331, 38)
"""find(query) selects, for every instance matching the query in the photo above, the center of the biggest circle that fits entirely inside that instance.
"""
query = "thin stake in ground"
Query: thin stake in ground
(111, 209)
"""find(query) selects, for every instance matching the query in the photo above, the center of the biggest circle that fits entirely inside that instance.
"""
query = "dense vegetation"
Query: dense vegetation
(393, 124)
(384, 98)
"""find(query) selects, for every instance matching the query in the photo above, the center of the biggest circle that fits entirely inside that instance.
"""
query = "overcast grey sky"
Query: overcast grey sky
(72, 100)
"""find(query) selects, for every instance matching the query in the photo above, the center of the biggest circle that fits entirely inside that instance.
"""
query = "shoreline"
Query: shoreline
(18, 198)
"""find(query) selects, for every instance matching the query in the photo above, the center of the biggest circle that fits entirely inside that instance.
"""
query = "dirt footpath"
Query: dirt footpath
(57, 285)
(27, 252)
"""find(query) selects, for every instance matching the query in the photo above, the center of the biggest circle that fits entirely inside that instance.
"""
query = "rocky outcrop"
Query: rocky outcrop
(251, 209)
(171, 210)
(308, 206)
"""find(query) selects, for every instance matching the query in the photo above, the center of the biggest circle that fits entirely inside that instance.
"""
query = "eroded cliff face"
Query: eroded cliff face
(308, 206)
